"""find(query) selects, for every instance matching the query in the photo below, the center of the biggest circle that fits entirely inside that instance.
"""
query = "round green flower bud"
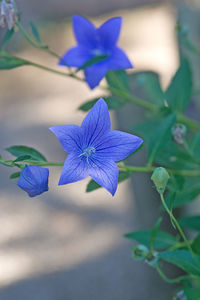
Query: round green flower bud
(160, 178)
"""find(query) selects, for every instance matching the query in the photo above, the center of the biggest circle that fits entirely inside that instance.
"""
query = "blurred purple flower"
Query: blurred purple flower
(93, 148)
(96, 42)
(34, 180)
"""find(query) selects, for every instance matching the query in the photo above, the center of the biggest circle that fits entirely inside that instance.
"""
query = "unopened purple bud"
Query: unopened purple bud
(34, 180)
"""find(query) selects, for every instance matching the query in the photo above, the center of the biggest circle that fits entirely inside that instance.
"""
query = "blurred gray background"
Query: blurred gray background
(66, 244)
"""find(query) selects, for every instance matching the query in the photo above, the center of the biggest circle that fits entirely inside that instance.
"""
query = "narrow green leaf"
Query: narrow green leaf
(22, 158)
(154, 232)
(92, 61)
(162, 239)
(7, 37)
(92, 185)
(112, 102)
(183, 259)
(35, 32)
(9, 62)
(24, 150)
(192, 222)
(118, 80)
(178, 94)
(196, 244)
(15, 175)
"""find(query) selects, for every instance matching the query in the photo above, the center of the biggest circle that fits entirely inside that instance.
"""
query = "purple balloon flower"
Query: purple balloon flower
(94, 148)
(96, 42)
(34, 180)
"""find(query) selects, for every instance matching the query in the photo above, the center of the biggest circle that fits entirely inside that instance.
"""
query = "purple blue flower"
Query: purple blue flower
(94, 148)
(96, 42)
(34, 180)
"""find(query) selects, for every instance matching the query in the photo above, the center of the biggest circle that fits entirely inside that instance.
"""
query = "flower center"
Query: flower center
(87, 152)
(98, 52)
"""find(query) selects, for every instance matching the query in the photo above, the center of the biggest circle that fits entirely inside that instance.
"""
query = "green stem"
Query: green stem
(179, 228)
(168, 280)
(148, 169)
(30, 63)
(138, 169)
(137, 101)
(33, 43)
(187, 121)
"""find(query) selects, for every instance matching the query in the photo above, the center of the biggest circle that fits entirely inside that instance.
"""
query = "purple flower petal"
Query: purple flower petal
(109, 32)
(119, 60)
(105, 172)
(34, 180)
(84, 31)
(70, 137)
(96, 123)
(75, 57)
(74, 169)
(117, 145)
(95, 73)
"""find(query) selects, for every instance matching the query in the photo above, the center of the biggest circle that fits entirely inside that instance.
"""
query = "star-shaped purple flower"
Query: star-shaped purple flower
(94, 148)
(96, 42)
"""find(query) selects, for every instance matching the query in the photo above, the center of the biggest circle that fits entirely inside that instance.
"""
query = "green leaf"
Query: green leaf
(178, 94)
(7, 37)
(118, 80)
(35, 32)
(92, 185)
(156, 133)
(183, 259)
(149, 84)
(162, 239)
(19, 151)
(92, 61)
(112, 102)
(196, 244)
(154, 232)
(189, 192)
(192, 222)
(22, 158)
(15, 175)
(192, 293)
(9, 62)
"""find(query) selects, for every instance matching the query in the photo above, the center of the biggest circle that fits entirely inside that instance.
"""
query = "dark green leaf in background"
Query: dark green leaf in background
(196, 244)
(178, 94)
(192, 222)
(192, 293)
(150, 86)
(162, 239)
(19, 151)
(182, 259)
(189, 192)
(156, 133)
